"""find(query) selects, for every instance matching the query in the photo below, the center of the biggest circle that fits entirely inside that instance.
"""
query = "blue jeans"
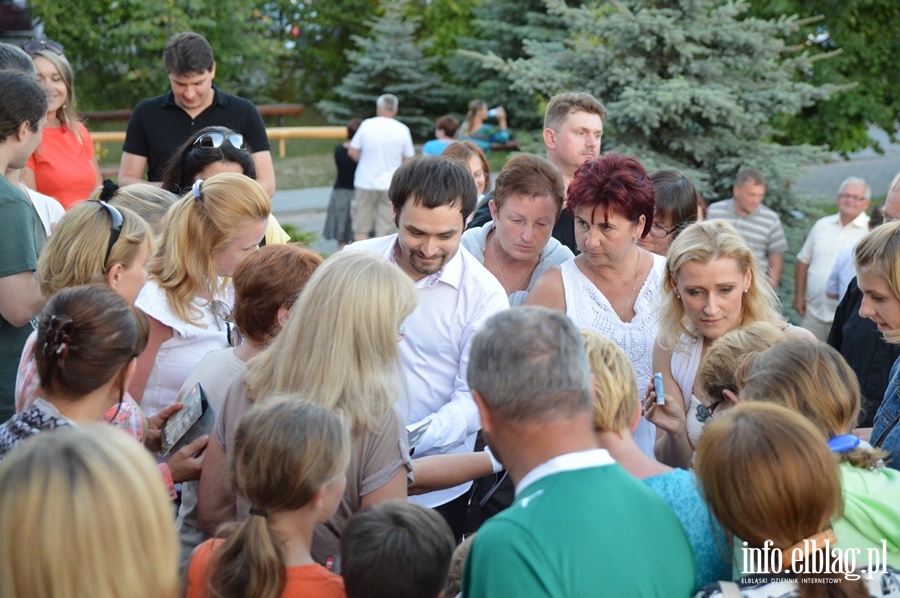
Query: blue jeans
(886, 429)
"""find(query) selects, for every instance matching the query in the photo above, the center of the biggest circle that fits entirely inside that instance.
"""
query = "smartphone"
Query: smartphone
(658, 388)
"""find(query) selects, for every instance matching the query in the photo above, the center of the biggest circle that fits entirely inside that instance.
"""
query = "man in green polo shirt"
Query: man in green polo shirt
(580, 525)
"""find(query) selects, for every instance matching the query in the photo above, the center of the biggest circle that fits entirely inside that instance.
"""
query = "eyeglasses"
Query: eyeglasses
(221, 310)
(114, 230)
(36, 45)
(660, 232)
(215, 140)
(851, 197)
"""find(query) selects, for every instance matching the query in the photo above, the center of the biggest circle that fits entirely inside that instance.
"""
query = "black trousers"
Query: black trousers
(454, 513)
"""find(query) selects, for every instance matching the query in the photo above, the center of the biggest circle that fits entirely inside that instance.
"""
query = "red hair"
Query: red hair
(614, 183)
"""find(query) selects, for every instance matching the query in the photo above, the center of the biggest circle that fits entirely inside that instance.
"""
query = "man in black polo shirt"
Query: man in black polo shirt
(159, 125)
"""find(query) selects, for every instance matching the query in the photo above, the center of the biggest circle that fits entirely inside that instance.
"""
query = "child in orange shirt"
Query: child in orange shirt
(289, 463)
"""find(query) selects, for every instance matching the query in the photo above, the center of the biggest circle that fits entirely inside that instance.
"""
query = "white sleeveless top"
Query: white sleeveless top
(589, 308)
(685, 363)
(178, 356)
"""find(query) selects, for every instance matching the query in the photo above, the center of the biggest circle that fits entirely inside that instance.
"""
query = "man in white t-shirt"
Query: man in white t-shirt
(432, 196)
(381, 145)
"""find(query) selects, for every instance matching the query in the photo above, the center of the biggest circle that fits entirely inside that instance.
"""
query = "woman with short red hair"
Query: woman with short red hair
(613, 286)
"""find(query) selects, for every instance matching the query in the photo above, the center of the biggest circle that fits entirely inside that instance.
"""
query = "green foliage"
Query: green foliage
(316, 36)
(389, 61)
(116, 46)
(501, 28)
(689, 84)
(304, 237)
(863, 34)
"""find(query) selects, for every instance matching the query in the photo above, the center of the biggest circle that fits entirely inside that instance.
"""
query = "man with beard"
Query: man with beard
(432, 196)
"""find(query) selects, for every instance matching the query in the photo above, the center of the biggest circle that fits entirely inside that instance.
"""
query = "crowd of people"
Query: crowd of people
(572, 380)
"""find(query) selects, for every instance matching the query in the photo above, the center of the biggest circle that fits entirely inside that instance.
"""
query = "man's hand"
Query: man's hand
(800, 305)
(185, 465)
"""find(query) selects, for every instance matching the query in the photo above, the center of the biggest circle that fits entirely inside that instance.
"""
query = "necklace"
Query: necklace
(500, 270)
(637, 267)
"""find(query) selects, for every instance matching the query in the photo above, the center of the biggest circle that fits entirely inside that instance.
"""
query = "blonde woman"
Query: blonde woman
(615, 417)
(769, 478)
(63, 166)
(206, 234)
(878, 275)
(94, 243)
(343, 355)
(811, 378)
(290, 459)
(147, 201)
(87, 516)
(712, 285)
(97, 243)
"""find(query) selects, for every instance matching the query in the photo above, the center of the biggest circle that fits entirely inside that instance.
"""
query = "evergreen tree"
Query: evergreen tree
(389, 61)
(688, 84)
(500, 27)
(860, 38)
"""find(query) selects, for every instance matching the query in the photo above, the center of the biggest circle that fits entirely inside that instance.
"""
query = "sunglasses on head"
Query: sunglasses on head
(215, 140)
(115, 228)
(36, 45)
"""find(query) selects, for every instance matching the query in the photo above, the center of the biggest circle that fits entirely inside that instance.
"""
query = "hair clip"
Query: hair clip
(843, 443)
(108, 189)
(260, 512)
(57, 339)
(196, 188)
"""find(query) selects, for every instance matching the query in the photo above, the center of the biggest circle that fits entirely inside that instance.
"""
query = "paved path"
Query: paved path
(305, 208)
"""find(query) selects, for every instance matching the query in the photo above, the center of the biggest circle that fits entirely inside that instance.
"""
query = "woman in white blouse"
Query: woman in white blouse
(613, 286)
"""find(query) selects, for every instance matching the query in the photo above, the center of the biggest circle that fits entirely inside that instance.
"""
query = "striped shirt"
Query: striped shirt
(761, 228)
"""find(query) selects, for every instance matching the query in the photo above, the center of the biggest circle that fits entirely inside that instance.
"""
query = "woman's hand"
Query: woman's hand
(186, 464)
(153, 439)
(669, 417)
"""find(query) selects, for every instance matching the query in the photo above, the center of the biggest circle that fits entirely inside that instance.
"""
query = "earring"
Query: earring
(745, 291)
(634, 239)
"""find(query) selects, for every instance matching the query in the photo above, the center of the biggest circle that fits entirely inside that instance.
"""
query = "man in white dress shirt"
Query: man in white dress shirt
(828, 238)
(432, 196)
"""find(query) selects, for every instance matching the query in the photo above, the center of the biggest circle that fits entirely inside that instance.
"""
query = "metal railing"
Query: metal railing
(282, 134)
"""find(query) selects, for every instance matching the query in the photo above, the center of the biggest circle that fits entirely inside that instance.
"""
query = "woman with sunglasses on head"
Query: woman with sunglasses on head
(207, 232)
(63, 166)
(209, 151)
(97, 243)
(676, 207)
(88, 338)
(712, 285)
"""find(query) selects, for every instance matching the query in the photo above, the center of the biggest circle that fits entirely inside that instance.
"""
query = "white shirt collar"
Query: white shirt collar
(451, 273)
(567, 462)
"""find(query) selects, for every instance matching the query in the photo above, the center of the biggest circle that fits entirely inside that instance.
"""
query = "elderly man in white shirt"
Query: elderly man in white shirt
(828, 238)
(432, 196)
